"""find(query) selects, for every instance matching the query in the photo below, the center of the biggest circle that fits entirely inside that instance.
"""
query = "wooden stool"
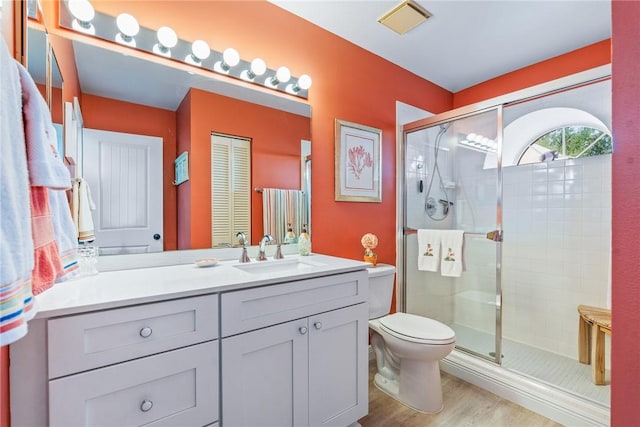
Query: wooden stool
(594, 323)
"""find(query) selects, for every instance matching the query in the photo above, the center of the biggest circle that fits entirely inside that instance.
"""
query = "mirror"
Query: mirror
(43, 66)
(54, 95)
(126, 92)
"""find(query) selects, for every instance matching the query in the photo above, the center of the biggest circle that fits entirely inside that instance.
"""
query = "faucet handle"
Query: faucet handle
(244, 257)
(278, 254)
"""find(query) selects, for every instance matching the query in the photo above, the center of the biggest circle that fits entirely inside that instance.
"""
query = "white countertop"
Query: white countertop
(112, 289)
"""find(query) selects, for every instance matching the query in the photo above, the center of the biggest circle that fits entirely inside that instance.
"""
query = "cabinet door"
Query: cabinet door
(338, 366)
(264, 377)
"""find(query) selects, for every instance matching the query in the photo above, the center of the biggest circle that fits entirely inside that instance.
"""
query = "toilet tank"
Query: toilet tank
(380, 289)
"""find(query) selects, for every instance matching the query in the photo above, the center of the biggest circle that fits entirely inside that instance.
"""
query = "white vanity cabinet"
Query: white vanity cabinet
(295, 354)
(185, 346)
(149, 364)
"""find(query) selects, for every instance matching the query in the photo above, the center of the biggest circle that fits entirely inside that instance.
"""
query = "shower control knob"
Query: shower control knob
(317, 325)
(302, 330)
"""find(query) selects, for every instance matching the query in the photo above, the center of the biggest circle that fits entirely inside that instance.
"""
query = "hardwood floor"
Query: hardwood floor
(464, 405)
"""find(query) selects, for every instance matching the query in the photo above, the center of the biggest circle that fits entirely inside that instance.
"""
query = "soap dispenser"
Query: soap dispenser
(290, 237)
(304, 241)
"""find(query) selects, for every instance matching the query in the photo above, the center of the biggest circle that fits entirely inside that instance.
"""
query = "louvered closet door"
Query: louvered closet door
(230, 188)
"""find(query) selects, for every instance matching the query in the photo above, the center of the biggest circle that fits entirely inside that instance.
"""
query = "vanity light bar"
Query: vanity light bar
(226, 63)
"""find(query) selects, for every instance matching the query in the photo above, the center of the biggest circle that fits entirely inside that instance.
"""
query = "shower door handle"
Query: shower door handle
(495, 235)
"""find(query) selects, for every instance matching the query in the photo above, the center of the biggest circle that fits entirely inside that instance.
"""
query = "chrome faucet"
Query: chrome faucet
(243, 241)
(266, 238)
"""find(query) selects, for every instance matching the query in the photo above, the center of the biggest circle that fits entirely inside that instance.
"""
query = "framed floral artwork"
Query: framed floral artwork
(358, 163)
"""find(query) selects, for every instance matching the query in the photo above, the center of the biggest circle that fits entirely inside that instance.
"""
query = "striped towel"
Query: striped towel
(282, 207)
(16, 250)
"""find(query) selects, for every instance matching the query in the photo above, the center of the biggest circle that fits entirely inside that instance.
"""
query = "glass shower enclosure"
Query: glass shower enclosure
(453, 182)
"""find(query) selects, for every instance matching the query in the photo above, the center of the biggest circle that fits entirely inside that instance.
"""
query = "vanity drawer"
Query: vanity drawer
(256, 308)
(92, 340)
(176, 388)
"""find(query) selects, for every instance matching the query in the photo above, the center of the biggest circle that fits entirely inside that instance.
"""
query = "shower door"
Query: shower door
(452, 181)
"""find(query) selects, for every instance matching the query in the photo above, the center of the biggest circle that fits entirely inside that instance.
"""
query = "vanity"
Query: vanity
(274, 343)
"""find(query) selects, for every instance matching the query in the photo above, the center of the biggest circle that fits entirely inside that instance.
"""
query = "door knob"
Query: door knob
(156, 236)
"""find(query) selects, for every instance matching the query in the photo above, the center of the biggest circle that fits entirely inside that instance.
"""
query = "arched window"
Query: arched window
(567, 142)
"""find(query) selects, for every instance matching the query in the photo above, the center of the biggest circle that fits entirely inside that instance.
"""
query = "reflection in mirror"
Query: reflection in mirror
(54, 96)
(45, 71)
(131, 95)
(33, 7)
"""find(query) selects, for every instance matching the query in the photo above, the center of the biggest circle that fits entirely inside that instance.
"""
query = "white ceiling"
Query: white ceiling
(464, 42)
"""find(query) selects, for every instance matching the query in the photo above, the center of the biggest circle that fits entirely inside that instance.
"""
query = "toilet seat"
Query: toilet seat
(417, 329)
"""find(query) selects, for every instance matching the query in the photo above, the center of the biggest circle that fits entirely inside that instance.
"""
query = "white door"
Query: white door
(124, 173)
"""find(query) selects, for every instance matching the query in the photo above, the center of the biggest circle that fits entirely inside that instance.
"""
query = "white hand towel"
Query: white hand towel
(81, 207)
(46, 168)
(452, 241)
(429, 249)
(65, 233)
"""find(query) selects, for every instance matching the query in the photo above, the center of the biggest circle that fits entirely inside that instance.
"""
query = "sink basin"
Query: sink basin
(295, 265)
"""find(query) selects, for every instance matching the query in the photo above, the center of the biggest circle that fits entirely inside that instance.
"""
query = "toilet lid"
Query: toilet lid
(418, 328)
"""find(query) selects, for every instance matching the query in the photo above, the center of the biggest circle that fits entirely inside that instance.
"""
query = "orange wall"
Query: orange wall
(588, 57)
(275, 155)
(117, 116)
(625, 371)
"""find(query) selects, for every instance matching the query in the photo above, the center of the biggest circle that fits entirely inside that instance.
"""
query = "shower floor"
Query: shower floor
(556, 370)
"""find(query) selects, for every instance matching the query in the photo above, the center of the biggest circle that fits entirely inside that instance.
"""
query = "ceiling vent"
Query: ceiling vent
(404, 16)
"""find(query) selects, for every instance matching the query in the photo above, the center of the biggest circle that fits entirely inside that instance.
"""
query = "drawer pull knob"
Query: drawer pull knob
(318, 325)
(146, 406)
(146, 332)
(302, 329)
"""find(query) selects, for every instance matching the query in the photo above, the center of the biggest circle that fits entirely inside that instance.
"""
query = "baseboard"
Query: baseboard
(550, 402)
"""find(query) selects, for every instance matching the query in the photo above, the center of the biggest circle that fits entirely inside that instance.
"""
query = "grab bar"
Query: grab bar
(493, 235)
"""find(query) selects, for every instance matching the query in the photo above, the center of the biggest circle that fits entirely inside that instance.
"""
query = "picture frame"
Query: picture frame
(358, 163)
(181, 164)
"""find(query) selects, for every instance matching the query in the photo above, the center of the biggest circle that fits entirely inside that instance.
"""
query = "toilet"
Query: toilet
(407, 347)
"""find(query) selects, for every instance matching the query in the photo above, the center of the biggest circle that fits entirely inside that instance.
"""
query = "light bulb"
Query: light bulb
(167, 37)
(282, 75)
(82, 10)
(258, 67)
(200, 49)
(304, 82)
(83, 13)
(127, 24)
(231, 57)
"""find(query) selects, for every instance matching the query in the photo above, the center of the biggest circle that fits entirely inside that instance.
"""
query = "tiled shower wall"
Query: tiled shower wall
(557, 228)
